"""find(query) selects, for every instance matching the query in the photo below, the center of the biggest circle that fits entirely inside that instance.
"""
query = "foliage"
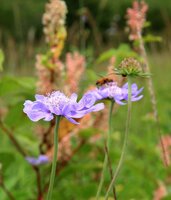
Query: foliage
(79, 179)
(80, 175)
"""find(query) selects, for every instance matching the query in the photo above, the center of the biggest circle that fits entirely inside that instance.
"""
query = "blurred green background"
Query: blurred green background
(21, 38)
(21, 27)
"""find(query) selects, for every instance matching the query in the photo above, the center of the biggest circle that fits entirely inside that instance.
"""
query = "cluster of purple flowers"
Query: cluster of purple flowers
(56, 103)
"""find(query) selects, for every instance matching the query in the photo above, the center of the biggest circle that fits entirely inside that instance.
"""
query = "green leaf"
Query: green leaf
(15, 116)
(120, 53)
(14, 85)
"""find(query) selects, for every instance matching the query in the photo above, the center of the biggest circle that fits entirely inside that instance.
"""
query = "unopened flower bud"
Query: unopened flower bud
(130, 67)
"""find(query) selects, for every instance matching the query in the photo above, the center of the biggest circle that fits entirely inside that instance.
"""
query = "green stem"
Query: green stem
(106, 156)
(53, 172)
(125, 141)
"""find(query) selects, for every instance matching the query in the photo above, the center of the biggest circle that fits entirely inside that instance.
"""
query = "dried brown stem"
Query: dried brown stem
(38, 177)
(45, 137)
(9, 133)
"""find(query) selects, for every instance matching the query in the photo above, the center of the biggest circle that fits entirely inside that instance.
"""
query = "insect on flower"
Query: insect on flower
(103, 81)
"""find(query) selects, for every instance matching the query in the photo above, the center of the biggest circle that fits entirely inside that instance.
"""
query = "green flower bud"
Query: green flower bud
(130, 67)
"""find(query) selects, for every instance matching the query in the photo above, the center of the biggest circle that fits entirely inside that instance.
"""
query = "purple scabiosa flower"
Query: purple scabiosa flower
(42, 159)
(56, 103)
(112, 91)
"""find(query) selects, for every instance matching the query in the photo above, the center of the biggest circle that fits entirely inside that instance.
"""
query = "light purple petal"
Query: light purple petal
(36, 111)
(39, 97)
(134, 87)
(120, 102)
(79, 114)
(98, 107)
(136, 98)
(74, 97)
(139, 91)
(87, 101)
(71, 120)
(125, 86)
(134, 92)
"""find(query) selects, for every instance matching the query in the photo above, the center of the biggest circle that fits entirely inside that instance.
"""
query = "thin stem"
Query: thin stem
(54, 163)
(125, 141)
(106, 156)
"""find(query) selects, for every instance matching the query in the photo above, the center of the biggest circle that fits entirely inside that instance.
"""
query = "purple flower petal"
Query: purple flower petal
(134, 92)
(71, 120)
(87, 101)
(74, 97)
(137, 98)
(36, 111)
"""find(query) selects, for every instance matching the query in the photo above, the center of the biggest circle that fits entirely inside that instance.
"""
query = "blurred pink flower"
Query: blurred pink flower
(47, 77)
(136, 18)
(160, 192)
(75, 66)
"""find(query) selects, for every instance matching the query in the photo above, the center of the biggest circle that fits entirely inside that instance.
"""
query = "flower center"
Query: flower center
(57, 99)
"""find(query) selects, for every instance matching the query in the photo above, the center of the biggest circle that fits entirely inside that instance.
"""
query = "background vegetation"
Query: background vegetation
(21, 38)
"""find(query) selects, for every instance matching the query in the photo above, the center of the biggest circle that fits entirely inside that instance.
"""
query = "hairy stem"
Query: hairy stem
(106, 156)
(125, 141)
(146, 68)
(54, 162)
